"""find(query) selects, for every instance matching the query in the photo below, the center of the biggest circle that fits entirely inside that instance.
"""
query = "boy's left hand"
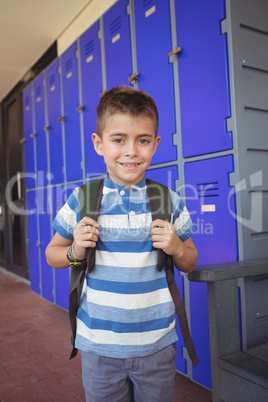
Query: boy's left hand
(164, 236)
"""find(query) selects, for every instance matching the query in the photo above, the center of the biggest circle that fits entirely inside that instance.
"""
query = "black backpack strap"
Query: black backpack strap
(161, 208)
(90, 195)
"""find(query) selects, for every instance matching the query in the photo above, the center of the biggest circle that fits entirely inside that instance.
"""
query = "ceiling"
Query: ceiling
(27, 29)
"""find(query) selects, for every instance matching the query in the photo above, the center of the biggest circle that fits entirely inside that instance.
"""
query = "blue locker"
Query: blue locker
(168, 176)
(153, 43)
(117, 42)
(91, 77)
(40, 123)
(203, 76)
(208, 201)
(29, 139)
(44, 212)
(72, 127)
(62, 282)
(55, 130)
(70, 188)
(33, 242)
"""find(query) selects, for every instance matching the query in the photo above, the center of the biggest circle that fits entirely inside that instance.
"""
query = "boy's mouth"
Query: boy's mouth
(129, 164)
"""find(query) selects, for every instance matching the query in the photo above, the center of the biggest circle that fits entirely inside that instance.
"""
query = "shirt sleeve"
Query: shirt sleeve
(181, 218)
(68, 216)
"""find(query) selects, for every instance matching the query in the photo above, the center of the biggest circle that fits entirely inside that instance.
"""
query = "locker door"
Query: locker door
(45, 237)
(153, 42)
(40, 122)
(117, 42)
(62, 282)
(55, 128)
(29, 141)
(203, 76)
(72, 128)
(91, 77)
(207, 193)
(168, 177)
(33, 242)
(70, 188)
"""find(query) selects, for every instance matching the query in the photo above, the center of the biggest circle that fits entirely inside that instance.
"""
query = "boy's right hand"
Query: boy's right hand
(86, 235)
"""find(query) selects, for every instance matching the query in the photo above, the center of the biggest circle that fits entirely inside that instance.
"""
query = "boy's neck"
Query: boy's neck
(121, 184)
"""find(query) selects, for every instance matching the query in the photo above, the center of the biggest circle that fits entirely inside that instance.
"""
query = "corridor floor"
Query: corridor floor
(35, 346)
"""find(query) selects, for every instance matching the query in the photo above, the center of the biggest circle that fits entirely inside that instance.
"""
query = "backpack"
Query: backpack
(158, 195)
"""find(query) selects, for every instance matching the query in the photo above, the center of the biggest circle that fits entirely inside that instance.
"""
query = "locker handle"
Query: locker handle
(134, 77)
(61, 118)
(80, 108)
(22, 141)
(46, 128)
(38, 245)
(174, 51)
(33, 135)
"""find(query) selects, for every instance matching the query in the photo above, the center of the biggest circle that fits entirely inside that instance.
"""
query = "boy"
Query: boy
(126, 319)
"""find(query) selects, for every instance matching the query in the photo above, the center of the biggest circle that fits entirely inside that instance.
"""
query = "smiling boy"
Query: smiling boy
(126, 319)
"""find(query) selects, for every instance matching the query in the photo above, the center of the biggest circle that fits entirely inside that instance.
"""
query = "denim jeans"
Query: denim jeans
(139, 379)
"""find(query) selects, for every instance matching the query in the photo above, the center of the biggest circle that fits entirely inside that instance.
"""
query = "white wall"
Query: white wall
(93, 11)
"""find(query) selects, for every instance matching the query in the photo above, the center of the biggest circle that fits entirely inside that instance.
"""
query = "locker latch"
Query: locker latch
(46, 128)
(61, 119)
(134, 77)
(22, 141)
(174, 51)
(38, 245)
(33, 135)
(80, 108)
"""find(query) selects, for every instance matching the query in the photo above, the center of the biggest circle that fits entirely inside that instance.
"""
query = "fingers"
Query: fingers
(161, 227)
(86, 226)
(86, 234)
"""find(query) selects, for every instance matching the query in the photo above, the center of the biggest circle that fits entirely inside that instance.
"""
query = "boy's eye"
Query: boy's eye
(144, 141)
(117, 140)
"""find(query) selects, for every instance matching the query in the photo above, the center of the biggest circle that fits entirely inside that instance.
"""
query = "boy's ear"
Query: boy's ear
(97, 142)
(156, 142)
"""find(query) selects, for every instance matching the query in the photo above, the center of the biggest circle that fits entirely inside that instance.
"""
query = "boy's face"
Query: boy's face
(127, 145)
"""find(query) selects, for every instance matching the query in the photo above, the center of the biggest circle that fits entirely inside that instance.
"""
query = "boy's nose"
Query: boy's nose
(131, 149)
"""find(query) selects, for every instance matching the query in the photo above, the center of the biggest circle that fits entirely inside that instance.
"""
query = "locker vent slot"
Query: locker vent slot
(206, 190)
(259, 70)
(146, 3)
(255, 109)
(27, 103)
(68, 64)
(52, 79)
(254, 151)
(259, 236)
(250, 28)
(115, 25)
(38, 91)
(89, 47)
(42, 205)
(31, 206)
(261, 320)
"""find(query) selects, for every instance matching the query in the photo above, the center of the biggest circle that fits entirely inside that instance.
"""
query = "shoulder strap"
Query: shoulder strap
(90, 195)
(90, 202)
(161, 208)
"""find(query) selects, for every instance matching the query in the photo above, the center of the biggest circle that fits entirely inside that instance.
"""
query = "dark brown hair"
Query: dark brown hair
(125, 100)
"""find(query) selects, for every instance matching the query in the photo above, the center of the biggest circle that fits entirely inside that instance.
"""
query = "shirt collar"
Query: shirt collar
(111, 184)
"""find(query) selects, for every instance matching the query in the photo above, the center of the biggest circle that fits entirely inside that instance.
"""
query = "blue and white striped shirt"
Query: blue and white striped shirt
(126, 309)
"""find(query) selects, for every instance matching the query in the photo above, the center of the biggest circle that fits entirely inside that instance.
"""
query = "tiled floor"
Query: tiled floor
(34, 350)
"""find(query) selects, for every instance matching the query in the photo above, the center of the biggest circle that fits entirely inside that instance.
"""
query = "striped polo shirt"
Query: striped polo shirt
(126, 309)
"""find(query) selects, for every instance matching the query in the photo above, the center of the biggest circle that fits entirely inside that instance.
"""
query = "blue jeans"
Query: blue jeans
(139, 379)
